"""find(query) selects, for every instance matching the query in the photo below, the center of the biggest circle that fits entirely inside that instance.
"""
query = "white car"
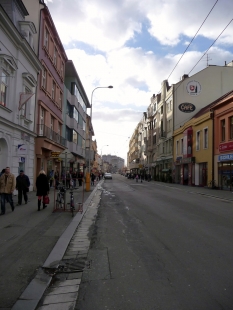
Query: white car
(108, 175)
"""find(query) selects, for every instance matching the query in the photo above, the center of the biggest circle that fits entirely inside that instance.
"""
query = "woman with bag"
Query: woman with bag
(42, 186)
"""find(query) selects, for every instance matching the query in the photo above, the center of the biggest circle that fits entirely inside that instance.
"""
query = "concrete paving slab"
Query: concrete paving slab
(61, 306)
(75, 275)
(69, 282)
(25, 304)
(62, 298)
(63, 290)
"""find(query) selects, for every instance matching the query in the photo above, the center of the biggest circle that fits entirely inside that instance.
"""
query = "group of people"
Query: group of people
(8, 183)
(70, 179)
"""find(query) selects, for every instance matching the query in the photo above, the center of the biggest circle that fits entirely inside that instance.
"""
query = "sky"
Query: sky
(134, 45)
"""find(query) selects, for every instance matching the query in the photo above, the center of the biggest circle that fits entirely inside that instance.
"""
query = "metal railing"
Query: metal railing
(44, 131)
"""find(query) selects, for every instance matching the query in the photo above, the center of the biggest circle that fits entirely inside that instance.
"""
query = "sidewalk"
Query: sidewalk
(215, 193)
(36, 289)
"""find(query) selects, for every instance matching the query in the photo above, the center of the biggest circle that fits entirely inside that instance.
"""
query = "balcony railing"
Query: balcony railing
(44, 131)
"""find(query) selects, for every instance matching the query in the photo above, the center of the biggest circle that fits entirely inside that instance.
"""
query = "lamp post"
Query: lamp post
(88, 183)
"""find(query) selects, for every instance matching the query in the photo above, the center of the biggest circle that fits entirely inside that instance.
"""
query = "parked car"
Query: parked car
(108, 175)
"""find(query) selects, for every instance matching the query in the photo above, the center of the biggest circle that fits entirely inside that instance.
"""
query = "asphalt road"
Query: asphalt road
(158, 247)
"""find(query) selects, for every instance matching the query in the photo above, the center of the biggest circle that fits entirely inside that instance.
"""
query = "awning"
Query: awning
(165, 170)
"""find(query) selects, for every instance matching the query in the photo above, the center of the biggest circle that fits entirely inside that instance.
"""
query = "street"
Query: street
(156, 246)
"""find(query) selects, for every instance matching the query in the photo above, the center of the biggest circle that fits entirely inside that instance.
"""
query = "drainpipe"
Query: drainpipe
(212, 116)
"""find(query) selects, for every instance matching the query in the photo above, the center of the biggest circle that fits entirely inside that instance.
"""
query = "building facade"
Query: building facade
(74, 116)
(19, 67)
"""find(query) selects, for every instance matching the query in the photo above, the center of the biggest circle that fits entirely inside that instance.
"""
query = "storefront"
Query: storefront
(225, 172)
(185, 171)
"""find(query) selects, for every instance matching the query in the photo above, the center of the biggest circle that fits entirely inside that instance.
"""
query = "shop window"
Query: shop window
(231, 127)
(205, 138)
(198, 138)
(223, 132)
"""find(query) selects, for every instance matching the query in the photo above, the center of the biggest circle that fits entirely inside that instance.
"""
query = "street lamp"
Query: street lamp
(88, 183)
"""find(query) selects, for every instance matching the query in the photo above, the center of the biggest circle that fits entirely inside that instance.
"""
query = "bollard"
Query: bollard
(88, 182)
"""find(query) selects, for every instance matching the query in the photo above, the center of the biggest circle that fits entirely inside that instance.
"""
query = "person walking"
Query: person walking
(136, 178)
(68, 178)
(42, 187)
(22, 185)
(80, 178)
(74, 178)
(92, 179)
(7, 186)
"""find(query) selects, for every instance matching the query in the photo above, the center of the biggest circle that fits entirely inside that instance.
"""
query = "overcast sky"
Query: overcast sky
(134, 45)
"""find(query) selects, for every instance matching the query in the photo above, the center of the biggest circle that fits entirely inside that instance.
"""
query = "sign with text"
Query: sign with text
(22, 149)
(228, 146)
(225, 157)
(55, 154)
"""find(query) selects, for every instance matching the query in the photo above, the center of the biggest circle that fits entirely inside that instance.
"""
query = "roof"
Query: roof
(212, 104)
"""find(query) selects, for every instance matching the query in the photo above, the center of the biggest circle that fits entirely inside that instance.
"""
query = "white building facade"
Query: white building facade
(19, 67)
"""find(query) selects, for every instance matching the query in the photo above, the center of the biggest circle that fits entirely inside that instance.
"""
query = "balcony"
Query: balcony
(46, 132)
(75, 149)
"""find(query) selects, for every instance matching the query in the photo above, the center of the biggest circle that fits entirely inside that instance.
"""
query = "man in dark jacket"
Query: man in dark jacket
(22, 185)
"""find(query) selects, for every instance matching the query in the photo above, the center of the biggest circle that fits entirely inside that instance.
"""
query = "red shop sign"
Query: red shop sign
(228, 146)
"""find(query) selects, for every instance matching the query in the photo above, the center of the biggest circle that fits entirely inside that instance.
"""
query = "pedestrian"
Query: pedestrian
(22, 185)
(92, 179)
(80, 178)
(136, 177)
(42, 187)
(56, 178)
(51, 178)
(7, 186)
(141, 178)
(68, 178)
(74, 178)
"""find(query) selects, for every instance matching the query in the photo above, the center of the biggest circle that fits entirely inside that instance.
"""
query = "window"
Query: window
(76, 115)
(46, 38)
(51, 127)
(4, 86)
(154, 139)
(162, 109)
(231, 127)
(69, 133)
(59, 132)
(53, 90)
(177, 147)
(55, 56)
(198, 136)
(69, 110)
(60, 100)
(182, 146)
(205, 136)
(223, 133)
(44, 77)
(24, 107)
(41, 121)
(62, 69)
(75, 137)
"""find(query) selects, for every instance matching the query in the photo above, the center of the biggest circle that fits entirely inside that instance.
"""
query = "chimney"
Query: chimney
(185, 76)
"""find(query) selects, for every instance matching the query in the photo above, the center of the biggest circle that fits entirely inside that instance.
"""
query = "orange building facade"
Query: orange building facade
(223, 142)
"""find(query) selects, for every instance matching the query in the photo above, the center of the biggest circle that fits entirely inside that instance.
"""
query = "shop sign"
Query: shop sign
(193, 88)
(22, 149)
(187, 107)
(225, 157)
(55, 154)
(21, 159)
(228, 146)
(188, 160)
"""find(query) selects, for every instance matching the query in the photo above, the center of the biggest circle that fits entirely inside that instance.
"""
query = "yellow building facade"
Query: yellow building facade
(193, 150)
